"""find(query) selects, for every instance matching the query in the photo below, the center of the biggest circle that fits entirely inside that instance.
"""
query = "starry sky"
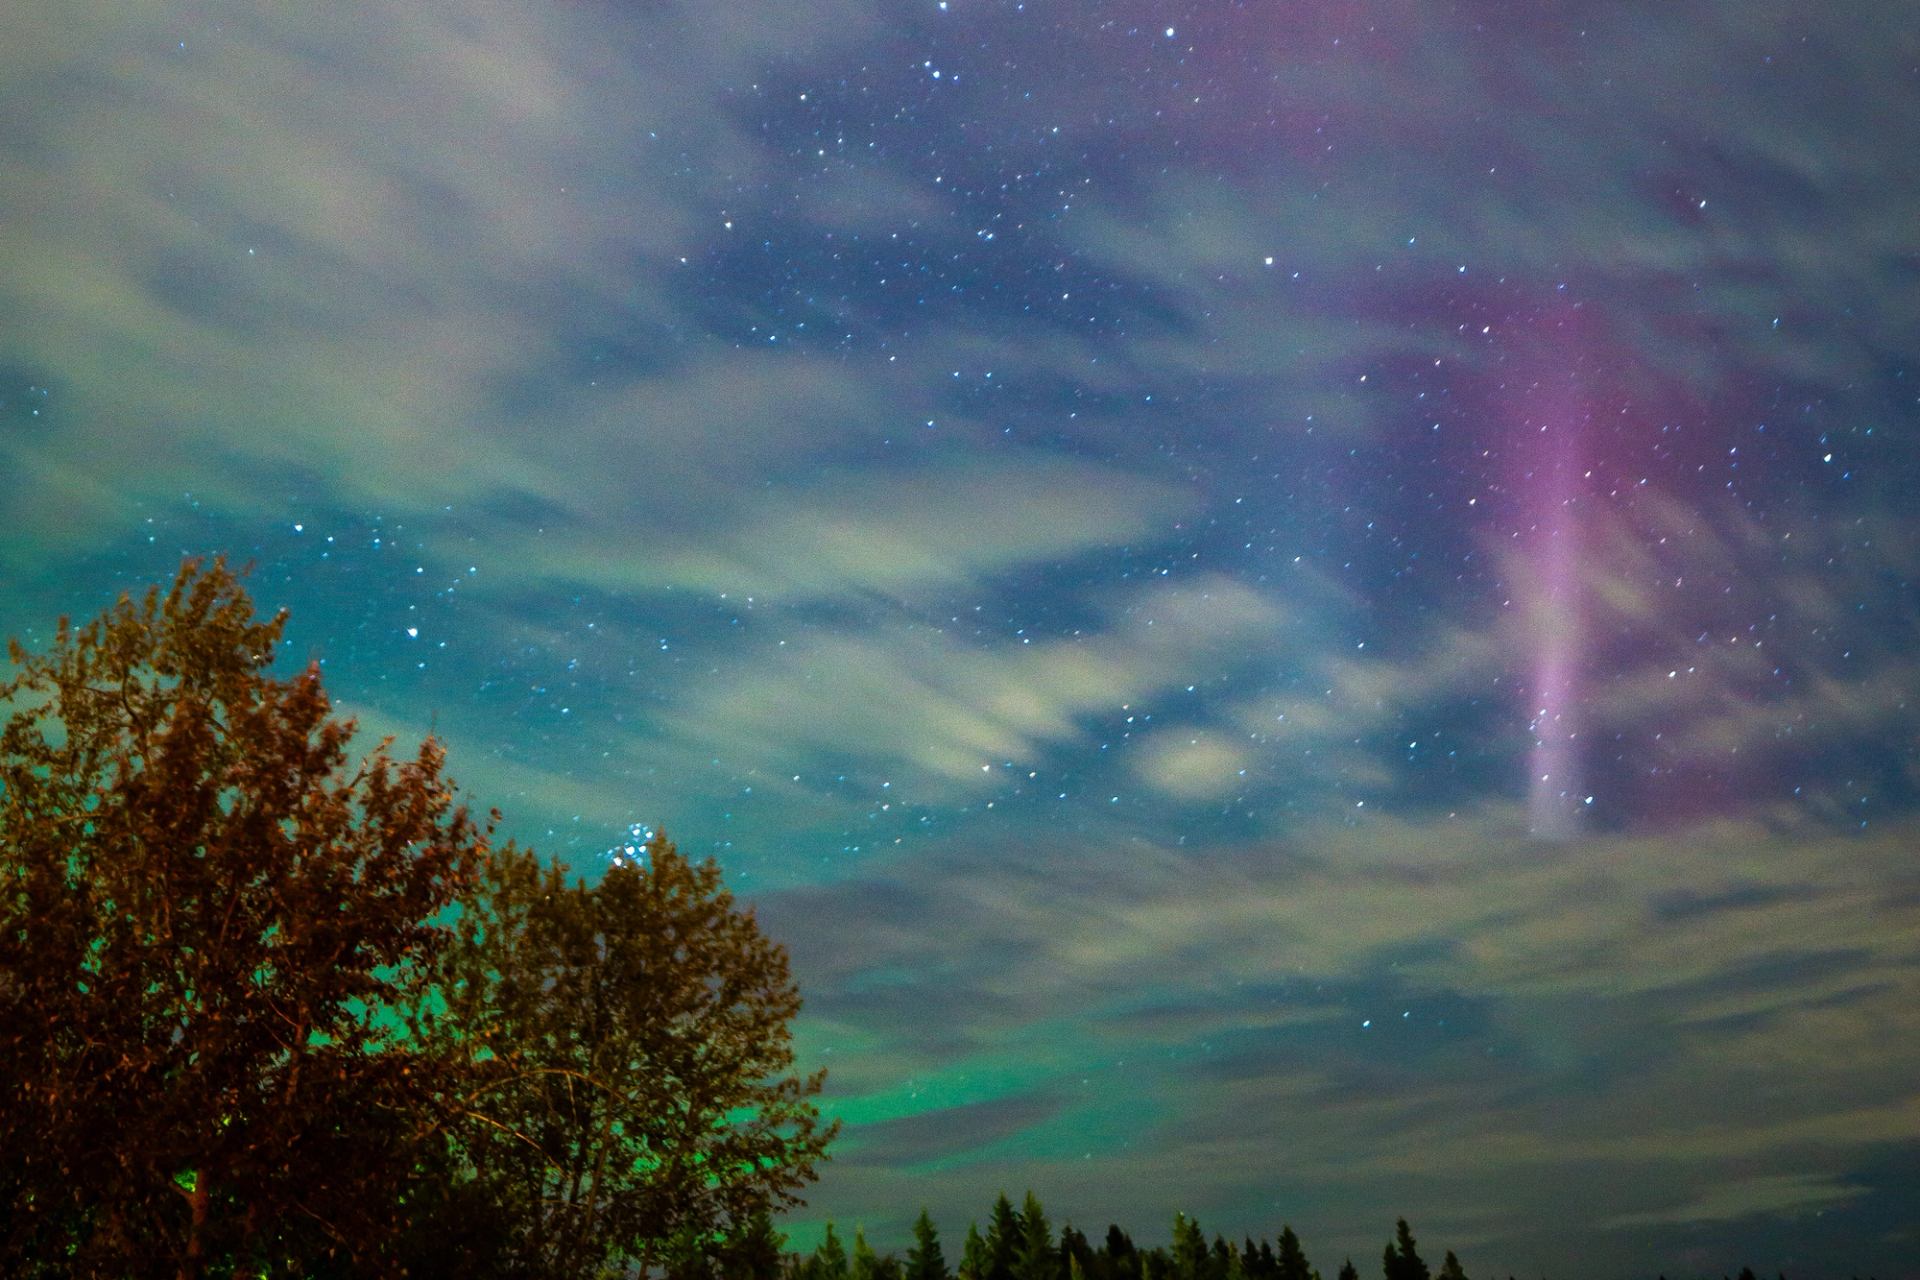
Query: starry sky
(1300, 610)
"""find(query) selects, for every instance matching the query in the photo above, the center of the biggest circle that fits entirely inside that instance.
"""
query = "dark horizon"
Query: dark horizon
(1299, 612)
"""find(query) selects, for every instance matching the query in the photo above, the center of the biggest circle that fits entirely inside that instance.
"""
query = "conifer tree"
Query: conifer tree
(1036, 1259)
(1403, 1262)
(1291, 1261)
(1074, 1244)
(1189, 1249)
(1348, 1271)
(830, 1257)
(1224, 1263)
(865, 1262)
(1118, 1258)
(1450, 1269)
(975, 1258)
(754, 1251)
(925, 1260)
(1003, 1239)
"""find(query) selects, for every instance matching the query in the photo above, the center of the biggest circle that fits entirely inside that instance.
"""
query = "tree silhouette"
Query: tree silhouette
(1189, 1249)
(1402, 1260)
(1450, 1268)
(1224, 1261)
(829, 1260)
(1003, 1239)
(865, 1262)
(752, 1252)
(925, 1260)
(1037, 1259)
(1075, 1247)
(976, 1260)
(1291, 1261)
(208, 919)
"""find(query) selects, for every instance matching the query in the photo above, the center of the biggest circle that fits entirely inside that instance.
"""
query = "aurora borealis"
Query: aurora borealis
(1300, 610)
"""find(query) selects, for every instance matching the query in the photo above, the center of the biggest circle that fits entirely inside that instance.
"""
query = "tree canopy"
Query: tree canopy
(265, 1006)
(205, 912)
(630, 1043)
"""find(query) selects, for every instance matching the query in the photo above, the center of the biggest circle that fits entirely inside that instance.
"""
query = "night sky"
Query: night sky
(1300, 610)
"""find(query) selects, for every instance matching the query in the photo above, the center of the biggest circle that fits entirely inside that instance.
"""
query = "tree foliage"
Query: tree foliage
(829, 1260)
(1402, 1260)
(925, 1261)
(1036, 1259)
(632, 1045)
(976, 1260)
(1291, 1263)
(1003, 1239)
(1189, 1249)
(267, 1009)
(204, 912)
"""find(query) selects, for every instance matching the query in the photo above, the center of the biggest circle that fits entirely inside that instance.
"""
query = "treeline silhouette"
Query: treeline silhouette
(1020, 1244)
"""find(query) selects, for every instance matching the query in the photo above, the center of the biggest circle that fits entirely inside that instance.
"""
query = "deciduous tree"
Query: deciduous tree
(635, 1058)
(210, 921)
